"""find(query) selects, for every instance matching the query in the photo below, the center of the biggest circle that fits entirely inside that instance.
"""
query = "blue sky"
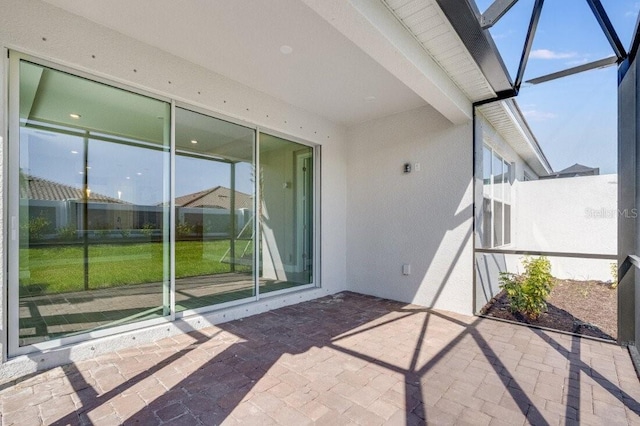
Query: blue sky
(573, 118)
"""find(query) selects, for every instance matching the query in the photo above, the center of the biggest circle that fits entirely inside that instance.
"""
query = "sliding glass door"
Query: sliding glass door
(125, 208)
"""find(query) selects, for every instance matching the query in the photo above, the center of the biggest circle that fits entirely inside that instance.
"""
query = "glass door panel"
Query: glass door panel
(93, 206)
(286, 214)
(214, 211)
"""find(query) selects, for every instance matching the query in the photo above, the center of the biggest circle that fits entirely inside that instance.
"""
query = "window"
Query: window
(119, 222)
(496, 223)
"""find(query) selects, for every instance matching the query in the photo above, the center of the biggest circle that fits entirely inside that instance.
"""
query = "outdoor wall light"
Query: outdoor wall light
(286, 50)
(407, 167)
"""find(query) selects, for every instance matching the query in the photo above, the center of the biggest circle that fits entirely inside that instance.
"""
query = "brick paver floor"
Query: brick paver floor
(344, 359)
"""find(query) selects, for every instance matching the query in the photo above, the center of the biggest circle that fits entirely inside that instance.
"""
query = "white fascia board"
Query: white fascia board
(375, 30)
(520, 123)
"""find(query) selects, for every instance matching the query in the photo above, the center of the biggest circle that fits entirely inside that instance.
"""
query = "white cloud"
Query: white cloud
(535, 115)
(633, 12)
(550, 54)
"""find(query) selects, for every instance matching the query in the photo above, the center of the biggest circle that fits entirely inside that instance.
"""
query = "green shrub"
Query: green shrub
(36, 228)
(67, 233)
(527, 293)
(614, 274)
(147, 229)
(102, 233)
(184, 229)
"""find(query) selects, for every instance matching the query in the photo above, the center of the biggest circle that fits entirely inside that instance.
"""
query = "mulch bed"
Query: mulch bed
(588, 308)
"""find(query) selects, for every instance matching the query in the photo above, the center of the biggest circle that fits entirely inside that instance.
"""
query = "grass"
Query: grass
(60, 269)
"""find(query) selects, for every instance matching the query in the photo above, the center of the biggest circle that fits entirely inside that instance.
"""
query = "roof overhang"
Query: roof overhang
(465, 19)
(372, 27)
(507, 119)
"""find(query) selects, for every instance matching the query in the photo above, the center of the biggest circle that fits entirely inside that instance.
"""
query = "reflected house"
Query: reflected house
(61, 207)
(208, 212)
(274, 142)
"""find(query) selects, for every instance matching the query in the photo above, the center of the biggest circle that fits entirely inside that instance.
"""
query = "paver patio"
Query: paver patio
(344, 359)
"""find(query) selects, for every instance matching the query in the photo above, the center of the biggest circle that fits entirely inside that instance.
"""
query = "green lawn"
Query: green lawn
(56, 269)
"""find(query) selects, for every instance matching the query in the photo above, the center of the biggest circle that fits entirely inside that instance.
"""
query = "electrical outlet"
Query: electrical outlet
(406, 269)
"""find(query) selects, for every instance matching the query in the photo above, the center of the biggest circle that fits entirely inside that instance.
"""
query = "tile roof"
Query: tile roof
(35, 188)
(217, 197)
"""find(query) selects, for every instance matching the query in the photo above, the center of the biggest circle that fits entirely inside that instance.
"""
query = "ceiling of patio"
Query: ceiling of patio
(326, 72)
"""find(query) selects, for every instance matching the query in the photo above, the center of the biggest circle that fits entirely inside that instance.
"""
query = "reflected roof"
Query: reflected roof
(36, 188)
(218, 197)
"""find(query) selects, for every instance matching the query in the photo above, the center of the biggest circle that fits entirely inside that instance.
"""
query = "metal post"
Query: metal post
(628, 177)
(85, 211)
(494, 12)
(531, 33)
(169, 297)
(232, 218)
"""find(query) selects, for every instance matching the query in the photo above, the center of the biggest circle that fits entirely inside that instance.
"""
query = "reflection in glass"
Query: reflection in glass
(286, 213)
(497, 224)
(93, 205)
(496, 209)
(486, 223)
(486, 161)
(214, 211)
(485, 229)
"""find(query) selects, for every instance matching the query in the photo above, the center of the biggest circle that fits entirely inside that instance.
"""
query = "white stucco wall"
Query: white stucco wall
(576, 215)
(423, 218)
(39, 29)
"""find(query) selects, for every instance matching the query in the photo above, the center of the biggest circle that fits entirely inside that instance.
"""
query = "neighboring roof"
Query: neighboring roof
(508, 120)
(218, 197)
(35, 188)
(574, 171)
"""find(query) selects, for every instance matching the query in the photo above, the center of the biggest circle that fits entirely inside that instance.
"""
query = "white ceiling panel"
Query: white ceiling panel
(241, 39)
(425, 20)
